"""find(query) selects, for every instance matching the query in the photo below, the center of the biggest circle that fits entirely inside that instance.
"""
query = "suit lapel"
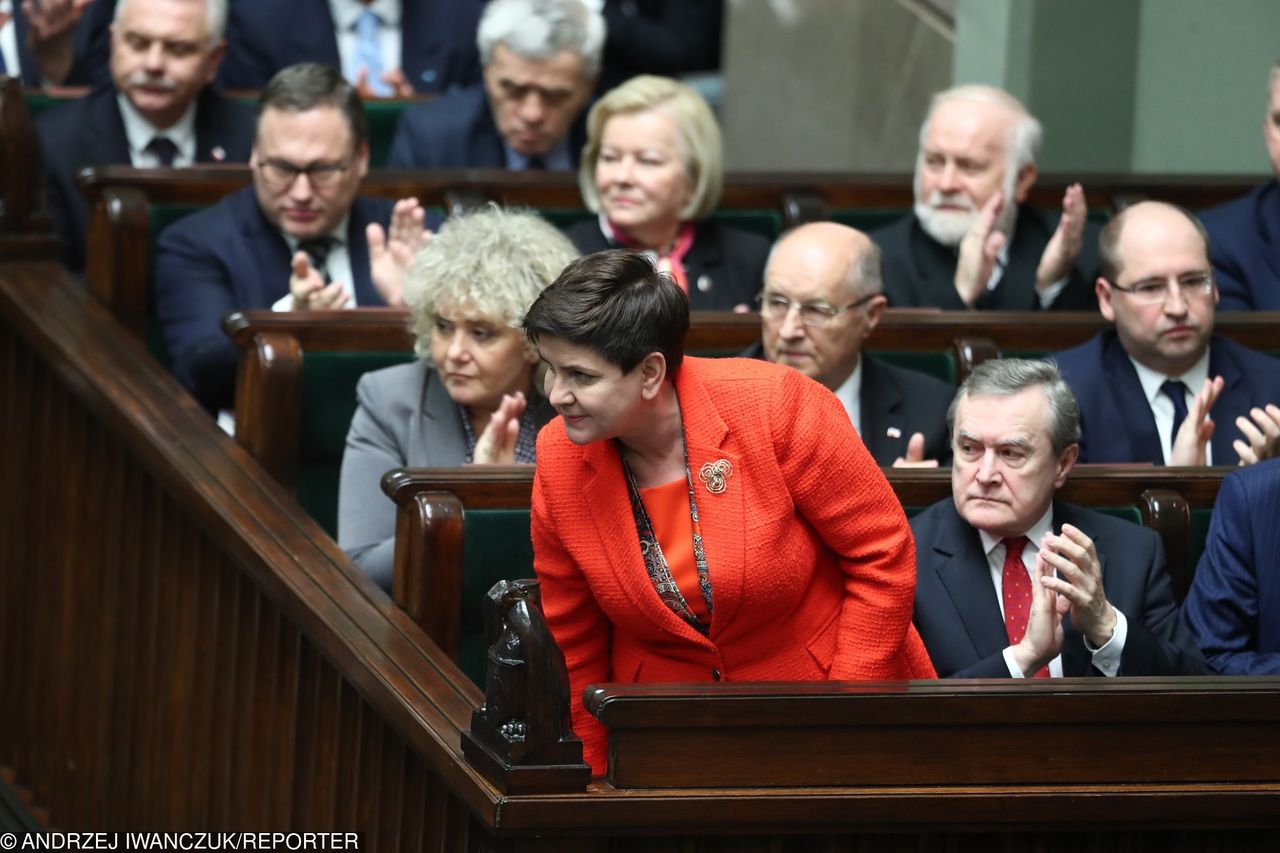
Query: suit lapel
(1136, 420)
(269, 251)
(358, 252)
(436, 437)
(109, 144)
(880, 401)
(962, 569)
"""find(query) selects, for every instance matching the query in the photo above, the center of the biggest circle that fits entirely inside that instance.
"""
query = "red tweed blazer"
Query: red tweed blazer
(812, 564)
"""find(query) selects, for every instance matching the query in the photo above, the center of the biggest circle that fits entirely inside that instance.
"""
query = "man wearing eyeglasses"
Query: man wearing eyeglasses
(821, 300)
(300, 238)
(157, 111)
(1160, 387)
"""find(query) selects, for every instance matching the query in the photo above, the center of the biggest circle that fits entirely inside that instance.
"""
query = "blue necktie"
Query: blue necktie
(368, 54)
(1176, 391)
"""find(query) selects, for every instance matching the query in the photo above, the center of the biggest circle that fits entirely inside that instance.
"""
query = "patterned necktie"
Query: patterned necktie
(1015, 591)
(163, 149)
(1176, 391)
(318, 253)
(369, 53)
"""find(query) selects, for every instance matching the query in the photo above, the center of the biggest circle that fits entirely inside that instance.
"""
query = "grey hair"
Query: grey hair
(215, 14)
(493, 261)
(1004, 377)
(539, 29)
(1023, 145)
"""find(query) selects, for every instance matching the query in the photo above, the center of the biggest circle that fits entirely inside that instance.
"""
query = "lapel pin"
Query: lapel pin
(704, 283)
(714, 474)
(218, 153)
(893, 432)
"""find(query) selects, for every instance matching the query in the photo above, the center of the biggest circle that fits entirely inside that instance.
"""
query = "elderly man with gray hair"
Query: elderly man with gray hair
(971, 240)
(157, 111)
(1010, 581)
(541, 59)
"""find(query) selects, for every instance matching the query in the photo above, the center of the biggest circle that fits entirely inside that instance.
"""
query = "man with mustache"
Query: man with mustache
(971, 241)
(1010, 581)
(300, 238)
(1152, 387)
(157, 111)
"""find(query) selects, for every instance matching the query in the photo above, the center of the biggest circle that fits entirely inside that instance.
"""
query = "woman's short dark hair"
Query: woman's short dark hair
(616, 303)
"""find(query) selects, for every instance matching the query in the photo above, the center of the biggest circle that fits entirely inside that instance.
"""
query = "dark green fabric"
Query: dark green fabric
(866, 219)
(496, 546)
(38, 102)
(939, 364)
(383, 117)
(328, 402)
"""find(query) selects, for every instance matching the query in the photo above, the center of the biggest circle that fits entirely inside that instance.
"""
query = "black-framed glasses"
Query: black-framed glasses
(1154, 291)
(281, 173)
(812, 314)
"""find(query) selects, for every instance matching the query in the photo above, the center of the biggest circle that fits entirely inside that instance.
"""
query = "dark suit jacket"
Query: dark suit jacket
(919, 272)
(90, 132)
(229, 257)
(728, 262)
(437, 48)
(1244, 245)
(91, 43)
(667, 37)
(904, 400)
(1116, 422)
(958, 615)
(457, 131)
(1233, 608)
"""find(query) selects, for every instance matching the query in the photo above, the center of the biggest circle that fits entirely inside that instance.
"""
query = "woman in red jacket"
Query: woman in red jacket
(703, 519)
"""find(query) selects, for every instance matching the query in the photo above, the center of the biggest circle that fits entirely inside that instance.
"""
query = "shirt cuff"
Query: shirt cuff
(1106, 658)
(1050, 293)
(1014, 670)
(284, 303)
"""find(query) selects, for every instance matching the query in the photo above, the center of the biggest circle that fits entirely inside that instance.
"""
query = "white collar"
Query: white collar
(345, 12)
(139, 132)
(1035, 534)
(850, 393)
(1152, 379)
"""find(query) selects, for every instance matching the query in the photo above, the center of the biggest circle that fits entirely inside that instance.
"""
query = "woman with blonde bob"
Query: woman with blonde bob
(471, 396)
(653, 170)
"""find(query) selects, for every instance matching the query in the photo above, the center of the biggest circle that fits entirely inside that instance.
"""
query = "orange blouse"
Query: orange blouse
(668, 508)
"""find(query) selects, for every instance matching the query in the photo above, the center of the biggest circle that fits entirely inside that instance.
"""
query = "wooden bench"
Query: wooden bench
(460, 530)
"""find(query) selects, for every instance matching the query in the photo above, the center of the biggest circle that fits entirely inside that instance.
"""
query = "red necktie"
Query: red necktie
(1015, 591)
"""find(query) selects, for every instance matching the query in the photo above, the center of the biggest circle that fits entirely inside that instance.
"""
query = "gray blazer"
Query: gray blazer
(404, 417)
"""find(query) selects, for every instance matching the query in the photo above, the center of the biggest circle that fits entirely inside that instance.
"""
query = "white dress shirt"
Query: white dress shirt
(1162, 406)
(9, 40)
(850, 394)
(139, 132)
(345, 13)
(1106, 658)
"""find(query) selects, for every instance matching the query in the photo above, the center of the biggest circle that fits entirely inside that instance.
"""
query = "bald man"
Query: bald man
(822, 298)
(971, 240)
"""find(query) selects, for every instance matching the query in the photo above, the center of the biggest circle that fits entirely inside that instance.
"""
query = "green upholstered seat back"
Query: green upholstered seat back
(767, 223)
(382, 117)
(327, 403)
(866, 219)
(496, 546)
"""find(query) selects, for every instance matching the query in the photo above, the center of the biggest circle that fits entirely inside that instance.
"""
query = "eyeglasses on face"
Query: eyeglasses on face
(1154, 291)
(281, 173)
(775, 308)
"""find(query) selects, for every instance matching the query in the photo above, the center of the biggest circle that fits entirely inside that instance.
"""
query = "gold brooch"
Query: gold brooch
(714, 474)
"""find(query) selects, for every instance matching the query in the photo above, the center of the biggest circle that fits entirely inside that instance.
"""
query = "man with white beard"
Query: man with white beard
(971, 241)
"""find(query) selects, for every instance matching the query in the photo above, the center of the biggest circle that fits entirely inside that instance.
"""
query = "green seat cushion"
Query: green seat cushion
(866, 219)
(383, 116)
(38, 102)
(327, 405)
(496, 546)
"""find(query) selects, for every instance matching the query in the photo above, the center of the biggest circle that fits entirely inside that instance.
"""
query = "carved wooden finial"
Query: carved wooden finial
(521, 737)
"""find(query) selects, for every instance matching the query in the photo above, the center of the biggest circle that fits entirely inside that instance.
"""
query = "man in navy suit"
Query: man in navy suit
(299, 238)
(540, 59)
(830, 275)
(971, 240)
(1233, 608)
(384, 47)
(157, 111)
(1010, 581)
(1245, 234)
(1152, 388)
